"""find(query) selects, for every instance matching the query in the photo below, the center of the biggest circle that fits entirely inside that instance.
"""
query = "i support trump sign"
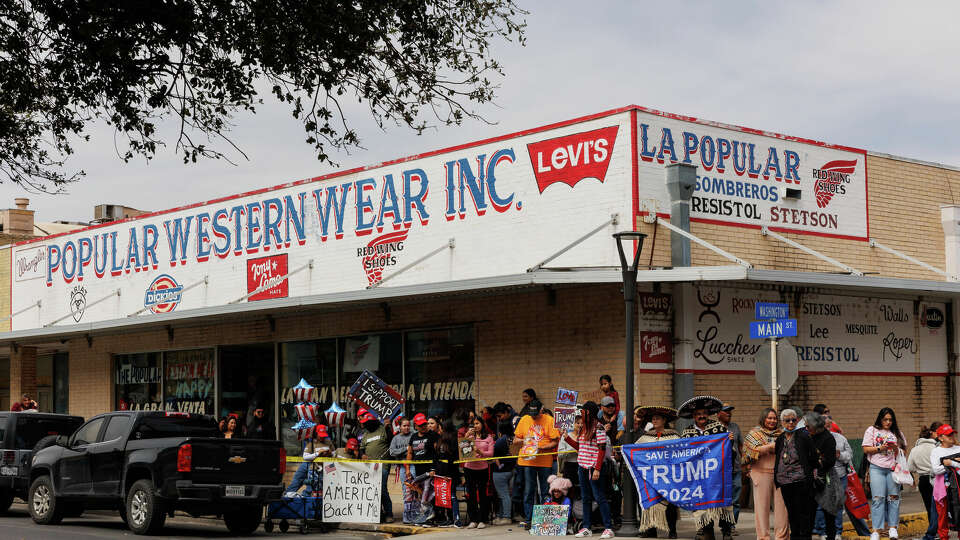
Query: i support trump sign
(693, 473)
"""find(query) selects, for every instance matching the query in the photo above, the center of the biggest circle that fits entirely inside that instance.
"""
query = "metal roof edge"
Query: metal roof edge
(845, 280)
(914, 161)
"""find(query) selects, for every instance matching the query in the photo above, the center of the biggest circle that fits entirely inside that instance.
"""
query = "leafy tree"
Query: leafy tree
(135, 63)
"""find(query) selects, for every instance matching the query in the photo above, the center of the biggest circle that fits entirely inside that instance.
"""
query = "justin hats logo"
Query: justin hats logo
(832, 179)
(163, 295)
(572, 158)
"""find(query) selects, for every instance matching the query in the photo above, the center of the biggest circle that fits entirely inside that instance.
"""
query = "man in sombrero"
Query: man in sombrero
(700, 409)
(662, 516)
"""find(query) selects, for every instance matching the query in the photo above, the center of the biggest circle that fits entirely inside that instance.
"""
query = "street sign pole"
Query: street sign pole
(774, 388)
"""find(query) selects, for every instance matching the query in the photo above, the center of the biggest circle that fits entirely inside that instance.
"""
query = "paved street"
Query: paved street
(17, 525)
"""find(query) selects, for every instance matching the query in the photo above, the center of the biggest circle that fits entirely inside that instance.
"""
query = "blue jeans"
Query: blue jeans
(590, 490)
(303, 477)
(502, 481)
(932, 532)
(531, 495)
(885, 501)
(737, 487)
(386, 504)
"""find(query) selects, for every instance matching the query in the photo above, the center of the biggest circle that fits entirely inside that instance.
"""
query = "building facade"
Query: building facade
(463, 276)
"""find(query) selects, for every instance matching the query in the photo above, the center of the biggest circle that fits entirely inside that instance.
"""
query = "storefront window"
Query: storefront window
(440, 372)
(188, 381)
(61, 382)
(138, 381)
(314, 361)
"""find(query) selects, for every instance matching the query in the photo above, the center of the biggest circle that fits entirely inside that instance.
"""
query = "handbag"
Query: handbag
(900, 472)
(856, 503)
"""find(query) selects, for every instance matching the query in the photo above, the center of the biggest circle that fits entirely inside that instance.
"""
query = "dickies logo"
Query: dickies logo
(163, 295)
(832, 179)
(572, 158)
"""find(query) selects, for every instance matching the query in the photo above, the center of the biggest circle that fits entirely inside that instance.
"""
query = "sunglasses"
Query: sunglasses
(789, 420)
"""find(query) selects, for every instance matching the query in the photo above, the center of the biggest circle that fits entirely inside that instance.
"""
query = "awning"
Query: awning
(733, 273)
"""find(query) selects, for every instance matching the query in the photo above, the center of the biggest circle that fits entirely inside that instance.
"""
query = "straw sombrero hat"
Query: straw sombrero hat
(710, 403)
(647, 412)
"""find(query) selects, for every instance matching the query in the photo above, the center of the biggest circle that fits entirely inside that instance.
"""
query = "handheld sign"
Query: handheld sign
(443, 491)
(694, 473)
(549, 520)
(770, 310)
(374, 394)
(351, 492)
(773, 329)
(566, 397)
(564, 418)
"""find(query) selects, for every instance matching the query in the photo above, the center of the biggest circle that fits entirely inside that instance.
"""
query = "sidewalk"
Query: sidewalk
(913, 521)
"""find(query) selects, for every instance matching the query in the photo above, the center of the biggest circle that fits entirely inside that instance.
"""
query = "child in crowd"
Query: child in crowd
(606, 386)
(559, 487)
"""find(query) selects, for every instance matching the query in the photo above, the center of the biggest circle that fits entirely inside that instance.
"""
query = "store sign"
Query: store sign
(834, 333)
(655, 305)
(507, 203)
(268, 276)
(30, 263)
(743, 176)
(656, 347)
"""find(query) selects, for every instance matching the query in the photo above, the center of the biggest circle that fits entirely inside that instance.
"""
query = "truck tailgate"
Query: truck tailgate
(227, 461)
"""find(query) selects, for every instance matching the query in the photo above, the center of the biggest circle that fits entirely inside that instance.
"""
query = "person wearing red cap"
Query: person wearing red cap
(350, 451)
(940, 458)
(423, 447)
(318, 446)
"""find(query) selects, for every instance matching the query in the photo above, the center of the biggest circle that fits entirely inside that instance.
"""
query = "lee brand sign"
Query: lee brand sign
(743, 176)
(834, 333)
(507, 202)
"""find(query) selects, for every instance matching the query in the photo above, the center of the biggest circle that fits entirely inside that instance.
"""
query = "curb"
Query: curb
(910, 525)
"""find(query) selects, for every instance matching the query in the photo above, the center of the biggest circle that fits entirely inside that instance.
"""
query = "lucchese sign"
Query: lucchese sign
(508, 203)
(836, 333)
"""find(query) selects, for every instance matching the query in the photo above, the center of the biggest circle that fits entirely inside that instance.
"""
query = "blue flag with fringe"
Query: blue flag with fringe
(694, 473)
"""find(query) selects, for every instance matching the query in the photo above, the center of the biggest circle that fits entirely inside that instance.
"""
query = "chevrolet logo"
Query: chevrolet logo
(237, 459)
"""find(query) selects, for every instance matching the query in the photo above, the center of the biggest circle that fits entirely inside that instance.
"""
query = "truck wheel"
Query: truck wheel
(45, 509)
(244, 521)
(145, 512)
(6, 499)
(45, 442)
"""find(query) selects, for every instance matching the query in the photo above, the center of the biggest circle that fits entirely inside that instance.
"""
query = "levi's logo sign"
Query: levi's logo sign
(572, 158)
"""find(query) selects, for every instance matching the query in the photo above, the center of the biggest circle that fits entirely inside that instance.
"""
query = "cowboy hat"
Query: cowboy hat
(710, 403)
(647, 411)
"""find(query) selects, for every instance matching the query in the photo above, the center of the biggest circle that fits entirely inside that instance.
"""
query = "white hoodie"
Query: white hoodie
(919, 460)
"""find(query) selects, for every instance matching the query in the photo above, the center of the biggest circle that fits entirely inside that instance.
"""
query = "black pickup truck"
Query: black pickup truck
(22, 434)
(147, 465)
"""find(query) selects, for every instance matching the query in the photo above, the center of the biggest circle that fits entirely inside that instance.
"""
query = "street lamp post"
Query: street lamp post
(629, 270)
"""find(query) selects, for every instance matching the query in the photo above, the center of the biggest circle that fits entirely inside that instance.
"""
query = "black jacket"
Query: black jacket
(806, 452)
(826, 450)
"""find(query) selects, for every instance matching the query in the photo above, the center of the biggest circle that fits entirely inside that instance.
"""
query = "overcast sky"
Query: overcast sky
(876, 75)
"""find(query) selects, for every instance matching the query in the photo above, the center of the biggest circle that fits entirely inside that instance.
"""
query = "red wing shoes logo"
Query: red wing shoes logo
(572, 158)
(380, 253)
(832, 179)
(267, 276)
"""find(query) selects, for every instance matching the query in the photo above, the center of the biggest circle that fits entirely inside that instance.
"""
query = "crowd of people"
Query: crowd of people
(796, 463)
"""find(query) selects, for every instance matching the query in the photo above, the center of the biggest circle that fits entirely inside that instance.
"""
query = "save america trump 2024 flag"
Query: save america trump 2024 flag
(694, 473)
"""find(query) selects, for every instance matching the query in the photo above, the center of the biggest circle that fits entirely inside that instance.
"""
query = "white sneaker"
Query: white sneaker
(893, 533)
(607, 533)
(874, 535)
(481, 525)
(472, 525)
(583, 533)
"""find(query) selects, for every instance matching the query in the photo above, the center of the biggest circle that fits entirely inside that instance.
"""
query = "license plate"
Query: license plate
(235, 491)
(8, 471)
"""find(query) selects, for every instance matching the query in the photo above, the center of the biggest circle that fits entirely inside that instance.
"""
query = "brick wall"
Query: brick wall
(854, 401)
